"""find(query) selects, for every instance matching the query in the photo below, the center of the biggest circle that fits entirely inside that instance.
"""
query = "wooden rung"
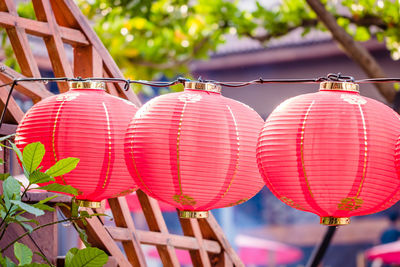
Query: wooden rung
(156, 238)
(123, 218)
(156, 223)
(41, 29)
(191, 227)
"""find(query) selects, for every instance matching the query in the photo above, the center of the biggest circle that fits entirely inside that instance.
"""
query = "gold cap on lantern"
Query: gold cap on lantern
(204, 86)
(88, 204)
(87, 85)
(339, 86)
(334, 221)
(189, 214)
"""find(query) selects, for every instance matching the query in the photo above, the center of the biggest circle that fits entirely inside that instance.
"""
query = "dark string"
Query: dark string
(334, 77)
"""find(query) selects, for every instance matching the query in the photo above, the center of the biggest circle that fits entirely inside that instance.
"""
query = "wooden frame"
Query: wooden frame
(59, 22)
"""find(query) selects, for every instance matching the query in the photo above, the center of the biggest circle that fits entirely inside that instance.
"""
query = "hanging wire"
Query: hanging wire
(334, 77)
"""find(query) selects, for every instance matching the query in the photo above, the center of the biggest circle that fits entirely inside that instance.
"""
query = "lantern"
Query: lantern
(331, 153)
(85, 123)
(195, 150)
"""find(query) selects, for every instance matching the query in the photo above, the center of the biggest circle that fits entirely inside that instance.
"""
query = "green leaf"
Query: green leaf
(1, 161)
(43, 207)
(20, 218)
(38, 177)
(22, 253)
(4, 176)
(11, 190)
(47, 199)
(6, 262)
(59, 188)
(362, 34)
(89, 257)
(62, 167)
(6, 137)
(70, 254)
(28, 208)
(26, 226)
(33, 155)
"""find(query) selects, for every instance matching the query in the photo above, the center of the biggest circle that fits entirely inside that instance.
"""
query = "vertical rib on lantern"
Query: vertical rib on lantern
(85, 123)
(195, 149)
(331, 153)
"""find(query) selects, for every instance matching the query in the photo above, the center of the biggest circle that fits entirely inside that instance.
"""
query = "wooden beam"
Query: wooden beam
(156, 223)
(34, 90)
(54, 44)
(199, 256)
(157, 238)
(7, 129)
(41, 29)
(87, 62)
(20, 44)
(211, 230)
(123, 218)
(109, 64)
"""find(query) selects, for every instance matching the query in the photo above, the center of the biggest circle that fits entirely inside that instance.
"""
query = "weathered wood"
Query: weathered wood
(34, 90)
(156, 223)
(43, 237)
(19, 42)
(123, 218)
(212, 231)
(87, 62)
(41, 29)
(109, 64)
(7, 129)
(157, 238)
(54, 44)
(191, 227)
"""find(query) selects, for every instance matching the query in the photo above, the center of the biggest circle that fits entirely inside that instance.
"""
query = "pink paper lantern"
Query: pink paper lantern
(331, 153)
(195, 150)
(85, 123)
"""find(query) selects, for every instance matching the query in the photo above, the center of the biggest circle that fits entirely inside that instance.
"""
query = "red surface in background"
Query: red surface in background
(389, 253)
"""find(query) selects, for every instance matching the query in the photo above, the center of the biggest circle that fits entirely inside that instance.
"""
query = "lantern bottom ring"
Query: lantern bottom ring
(334, 221)
(187, 214)
(88, 204)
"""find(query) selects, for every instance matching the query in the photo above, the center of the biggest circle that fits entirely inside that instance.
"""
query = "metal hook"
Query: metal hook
(127, 84)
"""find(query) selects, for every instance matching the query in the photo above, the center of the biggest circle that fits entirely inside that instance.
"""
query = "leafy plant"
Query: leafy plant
(13, 209)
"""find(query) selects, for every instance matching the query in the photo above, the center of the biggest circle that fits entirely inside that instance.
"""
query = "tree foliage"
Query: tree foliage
(150, 38)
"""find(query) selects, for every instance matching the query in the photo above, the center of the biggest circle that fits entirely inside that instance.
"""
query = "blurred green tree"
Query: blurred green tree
(148, 38)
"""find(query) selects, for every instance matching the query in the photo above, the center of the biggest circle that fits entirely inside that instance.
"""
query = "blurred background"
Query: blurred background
(226, 40)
